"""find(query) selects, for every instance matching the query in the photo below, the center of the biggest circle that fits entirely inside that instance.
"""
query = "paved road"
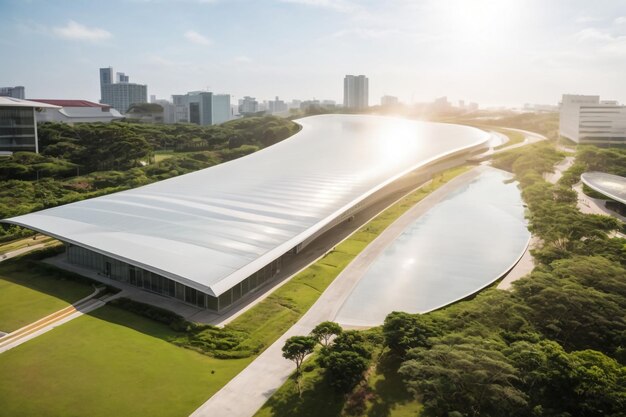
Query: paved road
(26, 333)
(249, 390)
(19, 252)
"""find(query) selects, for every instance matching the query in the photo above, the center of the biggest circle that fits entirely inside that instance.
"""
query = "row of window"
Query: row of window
(138, 277)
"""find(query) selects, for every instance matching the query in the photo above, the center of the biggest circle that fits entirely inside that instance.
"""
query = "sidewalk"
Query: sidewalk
(30, 331)
(21, 251)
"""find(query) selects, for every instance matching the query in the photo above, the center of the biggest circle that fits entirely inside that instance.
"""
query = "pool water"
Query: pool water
(462, 244)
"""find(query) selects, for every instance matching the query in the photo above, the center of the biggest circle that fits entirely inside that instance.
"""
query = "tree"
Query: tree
(585, 383)
(344, 369)
(296, 348)
(578, 317)
(461, 374)
(324, 331)
(403, 331)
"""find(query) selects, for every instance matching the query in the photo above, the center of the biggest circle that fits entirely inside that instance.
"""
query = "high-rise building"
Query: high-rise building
(15, 92)
(121, 94)
(276, 106)
(389, 101)
(121, 77)
(248, 105)
(202, 108)
(106, 78)
(586, 119)
(355, 92)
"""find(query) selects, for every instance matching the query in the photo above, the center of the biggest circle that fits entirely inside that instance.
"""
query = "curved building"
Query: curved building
(211, 236)
(611, 186)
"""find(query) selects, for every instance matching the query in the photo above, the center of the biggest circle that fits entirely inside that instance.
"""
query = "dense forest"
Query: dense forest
(92, 159)
(554, 345)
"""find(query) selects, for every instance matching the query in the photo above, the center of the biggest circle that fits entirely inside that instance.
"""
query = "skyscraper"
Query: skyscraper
(122, 94)
(355, 92)
(15, 92)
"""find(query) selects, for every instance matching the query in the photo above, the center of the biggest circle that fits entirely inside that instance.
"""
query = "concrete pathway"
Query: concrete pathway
(559, 169)
(26, 333)
(522, 268)
(251, 388)
(529, 137)
(21, 251)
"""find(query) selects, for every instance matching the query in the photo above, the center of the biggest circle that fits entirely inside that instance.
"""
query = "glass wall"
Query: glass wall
(138, 277)
(17, 129)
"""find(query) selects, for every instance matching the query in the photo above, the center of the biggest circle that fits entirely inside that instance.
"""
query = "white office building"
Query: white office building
(121, 94)
(355, 92)
(389, 101)
(248, 105)
(587, 119)
(276, 106)
(202, 107)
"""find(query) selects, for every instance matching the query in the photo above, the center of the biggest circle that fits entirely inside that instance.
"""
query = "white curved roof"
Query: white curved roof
(612, 186)
(213, 228)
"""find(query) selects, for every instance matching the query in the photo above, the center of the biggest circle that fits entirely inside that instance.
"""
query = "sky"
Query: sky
(494, 52)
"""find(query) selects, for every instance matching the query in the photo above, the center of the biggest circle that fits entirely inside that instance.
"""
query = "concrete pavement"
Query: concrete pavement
(19, 252)
(559, 169)
(28, 332)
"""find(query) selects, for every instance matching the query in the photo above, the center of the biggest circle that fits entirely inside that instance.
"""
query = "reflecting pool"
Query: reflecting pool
(459, 246)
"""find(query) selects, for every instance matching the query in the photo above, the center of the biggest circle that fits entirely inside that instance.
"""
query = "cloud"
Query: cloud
(195, 37)
(621, 20)
(587, 19)
(338, 5)
(603, 43)
(78, 32)
(593, 34)
(242, 59)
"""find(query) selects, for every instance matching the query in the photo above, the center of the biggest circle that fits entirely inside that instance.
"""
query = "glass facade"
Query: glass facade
(17, 129)
(138, 277)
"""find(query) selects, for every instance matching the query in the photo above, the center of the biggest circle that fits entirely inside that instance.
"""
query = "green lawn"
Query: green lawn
(108, 363)
(29, 292)
(384, 392)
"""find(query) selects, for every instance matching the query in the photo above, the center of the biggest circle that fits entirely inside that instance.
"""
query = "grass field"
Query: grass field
(384, 395)
(29, 292)
(108, 363)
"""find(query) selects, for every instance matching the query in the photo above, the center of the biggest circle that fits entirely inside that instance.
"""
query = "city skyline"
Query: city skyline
(495, 53)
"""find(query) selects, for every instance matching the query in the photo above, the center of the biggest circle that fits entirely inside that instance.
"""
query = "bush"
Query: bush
(161, 315)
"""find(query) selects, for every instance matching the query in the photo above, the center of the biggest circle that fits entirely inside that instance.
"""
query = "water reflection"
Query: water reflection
(461, 245)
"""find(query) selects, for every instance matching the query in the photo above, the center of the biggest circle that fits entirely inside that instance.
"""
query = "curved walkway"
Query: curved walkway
(251, 388)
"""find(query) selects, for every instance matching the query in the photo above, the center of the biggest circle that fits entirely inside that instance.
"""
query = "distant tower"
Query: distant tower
(106, 78)
(355, 92)
(116, 91)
